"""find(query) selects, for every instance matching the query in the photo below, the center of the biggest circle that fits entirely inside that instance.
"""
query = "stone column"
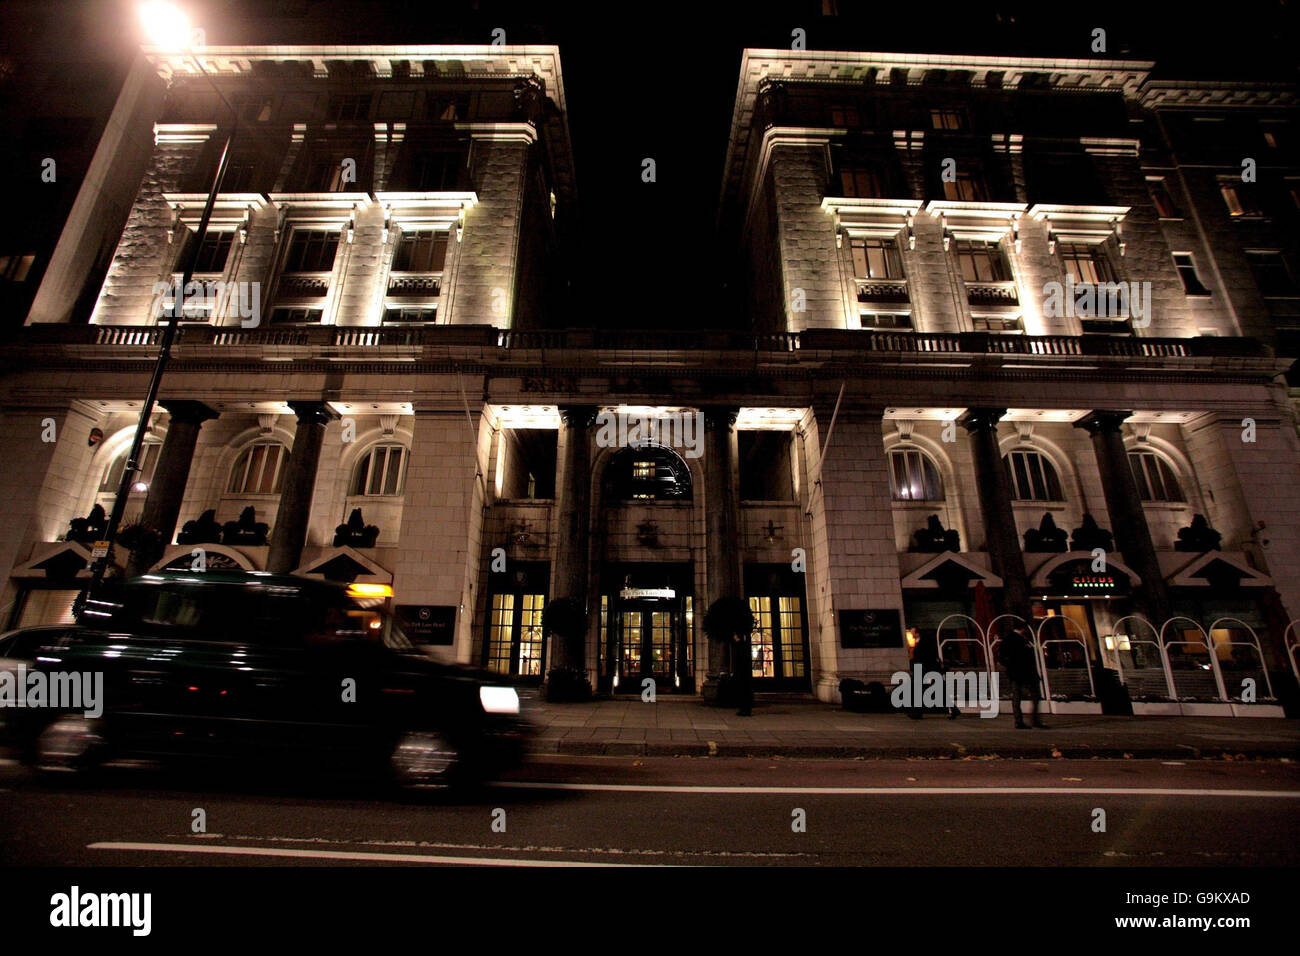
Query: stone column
(569, 577)
(172, 473)
(291, 520)
(995, 503)
(721, 522)
(1127, 519)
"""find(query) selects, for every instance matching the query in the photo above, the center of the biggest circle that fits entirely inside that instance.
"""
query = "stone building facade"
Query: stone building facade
(922, 430)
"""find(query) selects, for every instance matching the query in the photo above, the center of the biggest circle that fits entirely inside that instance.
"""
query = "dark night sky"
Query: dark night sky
(657, 80)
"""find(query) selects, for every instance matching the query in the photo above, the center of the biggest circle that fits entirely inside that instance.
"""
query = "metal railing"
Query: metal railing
(652, 340)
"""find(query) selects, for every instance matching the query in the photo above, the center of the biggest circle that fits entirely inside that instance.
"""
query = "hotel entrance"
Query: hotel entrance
(646, 623)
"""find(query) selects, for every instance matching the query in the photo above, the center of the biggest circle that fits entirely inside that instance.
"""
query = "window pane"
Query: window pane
(394, 473)
(1140, 477)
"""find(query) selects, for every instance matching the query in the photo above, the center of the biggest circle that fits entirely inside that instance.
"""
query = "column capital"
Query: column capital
(578, 416)
(313, 413)
(719, 417)
(188, 412)
(976, 419)
(1103, 420)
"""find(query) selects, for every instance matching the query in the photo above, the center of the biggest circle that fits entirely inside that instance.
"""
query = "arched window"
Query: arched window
(648, 473)
(1155, 480)
(1032, 477)
(112, 477)
(259, 469)
(913, 476)
(381, 471)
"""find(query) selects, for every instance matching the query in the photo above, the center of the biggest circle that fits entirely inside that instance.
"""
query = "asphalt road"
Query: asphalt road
(648, 811)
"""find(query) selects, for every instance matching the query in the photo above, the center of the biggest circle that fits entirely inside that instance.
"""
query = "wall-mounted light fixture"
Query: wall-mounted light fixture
(911, 233)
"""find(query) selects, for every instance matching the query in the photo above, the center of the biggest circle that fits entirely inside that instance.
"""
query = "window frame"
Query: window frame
(1048, 473)
(1163, 470)
(366, 461)
(985, 249)
(916, 479)
(1092, 254)
(245, 456)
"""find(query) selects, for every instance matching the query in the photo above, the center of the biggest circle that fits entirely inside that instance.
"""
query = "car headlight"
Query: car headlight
(499, 700)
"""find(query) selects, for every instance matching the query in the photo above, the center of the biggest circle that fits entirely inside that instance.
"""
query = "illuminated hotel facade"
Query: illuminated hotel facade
(923, 426)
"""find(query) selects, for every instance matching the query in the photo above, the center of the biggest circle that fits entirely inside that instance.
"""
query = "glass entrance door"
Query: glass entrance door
(645, 646)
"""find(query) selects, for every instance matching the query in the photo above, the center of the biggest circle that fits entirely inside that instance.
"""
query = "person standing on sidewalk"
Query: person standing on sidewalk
(1021, 665)
(743, 674)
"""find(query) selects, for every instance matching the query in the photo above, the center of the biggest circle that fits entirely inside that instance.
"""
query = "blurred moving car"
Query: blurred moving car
(17, 655)
(299, 672)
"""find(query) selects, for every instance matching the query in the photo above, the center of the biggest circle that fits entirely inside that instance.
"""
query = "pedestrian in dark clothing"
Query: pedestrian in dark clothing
(1021, 664)
(927, 655)
(743, 674)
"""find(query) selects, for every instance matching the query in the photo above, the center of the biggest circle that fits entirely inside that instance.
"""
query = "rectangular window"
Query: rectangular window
(325, 176)
(312, 250)
(948, 118)
(965, 187)
(213, 253)
(15, 268)
(423, 250)
(1085, 263)
(791, 614)
(350, 106)
(296, 316)
(982, 261)
(447, 107)
(1166, 208)
(254, 109)
(501, 625)
(997, 323)
(411, 316)
(861, 182)
(1239, 199)
(1187, 272)
(883, 321)
(845, 115)
(435, 171)
(1271, 273)
(241, 176)
(876, 259)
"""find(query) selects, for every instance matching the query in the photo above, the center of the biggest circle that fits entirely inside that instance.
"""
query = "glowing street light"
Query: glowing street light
(166, 25)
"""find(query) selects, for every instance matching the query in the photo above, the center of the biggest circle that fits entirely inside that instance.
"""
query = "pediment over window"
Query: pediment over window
(61, 561)
(1219, 569)
(345, 564)
(948, 570)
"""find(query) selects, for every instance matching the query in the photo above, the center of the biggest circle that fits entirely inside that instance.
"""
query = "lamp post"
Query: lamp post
(166, 25)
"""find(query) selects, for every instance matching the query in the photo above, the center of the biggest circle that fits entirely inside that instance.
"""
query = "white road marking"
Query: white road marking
(343, 855)
(901, 791)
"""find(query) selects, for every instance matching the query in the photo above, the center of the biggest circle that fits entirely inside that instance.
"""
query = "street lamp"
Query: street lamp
(168, 27)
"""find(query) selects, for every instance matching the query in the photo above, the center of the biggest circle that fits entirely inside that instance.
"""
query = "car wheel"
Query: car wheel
(425, 759)
(71, 744)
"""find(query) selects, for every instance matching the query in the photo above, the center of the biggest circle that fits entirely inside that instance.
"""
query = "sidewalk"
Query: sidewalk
(808, 728)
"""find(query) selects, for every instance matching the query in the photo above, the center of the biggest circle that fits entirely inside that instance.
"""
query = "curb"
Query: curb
(1047, 751)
